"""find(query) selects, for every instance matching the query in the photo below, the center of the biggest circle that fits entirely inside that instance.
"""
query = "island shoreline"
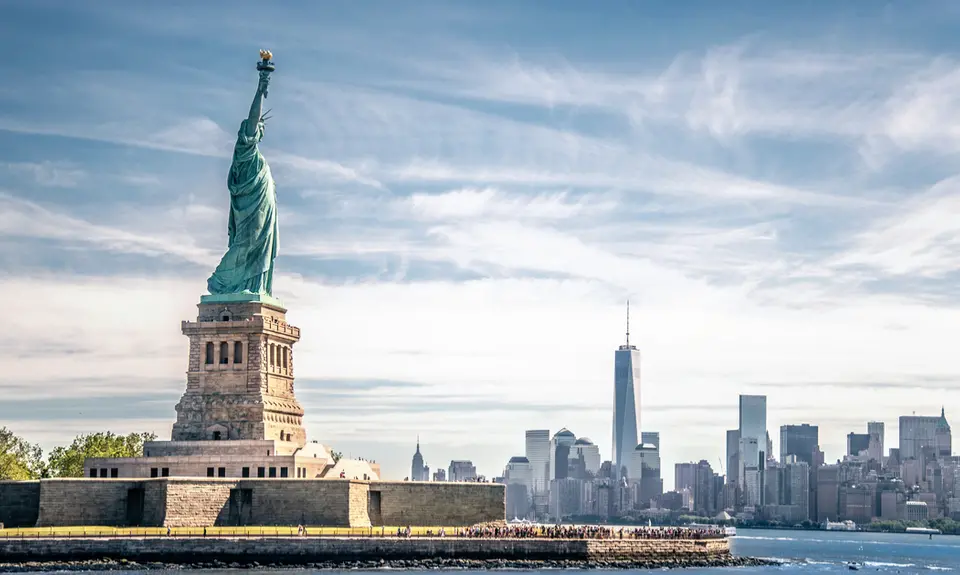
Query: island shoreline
(150, 553)
(451, 564)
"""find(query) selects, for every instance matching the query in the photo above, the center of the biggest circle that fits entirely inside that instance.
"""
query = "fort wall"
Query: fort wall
(19, 503)
(198, 502)
(420, 503)
(84, 501)
(315, 549)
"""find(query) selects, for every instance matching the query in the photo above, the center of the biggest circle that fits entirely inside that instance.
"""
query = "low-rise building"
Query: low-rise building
(915, 511)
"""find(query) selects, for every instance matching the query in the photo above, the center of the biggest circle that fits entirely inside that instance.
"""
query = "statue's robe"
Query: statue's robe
(247, 267)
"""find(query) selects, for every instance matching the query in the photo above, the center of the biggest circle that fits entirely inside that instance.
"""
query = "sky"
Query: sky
(469, 192)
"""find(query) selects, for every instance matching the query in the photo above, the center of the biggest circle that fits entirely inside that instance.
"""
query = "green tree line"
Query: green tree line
(946, 525)
(21, 460)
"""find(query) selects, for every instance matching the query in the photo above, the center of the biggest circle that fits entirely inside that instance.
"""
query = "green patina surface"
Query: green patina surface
(241, 298)
(246, 269)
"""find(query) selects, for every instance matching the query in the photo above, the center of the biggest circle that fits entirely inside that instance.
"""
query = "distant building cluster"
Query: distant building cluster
(918, 480)
(459, 470)
(561, 476)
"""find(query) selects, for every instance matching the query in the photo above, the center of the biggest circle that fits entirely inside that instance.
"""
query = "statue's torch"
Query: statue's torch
(265, 66)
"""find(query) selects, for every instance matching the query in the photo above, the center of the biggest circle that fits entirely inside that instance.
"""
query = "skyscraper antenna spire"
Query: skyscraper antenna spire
(628, 323)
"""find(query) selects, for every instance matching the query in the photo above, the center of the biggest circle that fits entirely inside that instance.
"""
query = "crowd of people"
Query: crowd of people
(577, 532)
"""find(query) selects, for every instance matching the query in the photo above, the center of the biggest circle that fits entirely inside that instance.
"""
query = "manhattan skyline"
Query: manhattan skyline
(467, 196)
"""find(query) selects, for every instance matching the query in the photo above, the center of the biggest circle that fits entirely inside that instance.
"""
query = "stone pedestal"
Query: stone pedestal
(240, 375)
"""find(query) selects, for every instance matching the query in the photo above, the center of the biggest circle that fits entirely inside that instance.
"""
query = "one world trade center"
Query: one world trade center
(626, 403)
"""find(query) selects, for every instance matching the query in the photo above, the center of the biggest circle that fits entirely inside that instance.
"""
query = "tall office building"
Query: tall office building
(643, 459)
(647, 463)
(518, 475)
(585, 448)
(801, 441)
(538, 454)
(857, 443)
(461, 470)
(684, 476)
(753, 446)
(796, 487)
(733, 456)
(561, 452)
(918, 432)
(751, 482)
(828, 493)
(875, 431)
(772, 482)
(704, 494)
(626, 402)
(651, 437)
(417, 472)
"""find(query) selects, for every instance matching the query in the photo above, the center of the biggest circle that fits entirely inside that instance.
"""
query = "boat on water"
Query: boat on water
(728, 531)
(518, 521)
(839, 525)
(923, 531)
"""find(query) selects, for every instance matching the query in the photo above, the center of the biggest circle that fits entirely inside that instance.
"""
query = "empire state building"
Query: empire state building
(626, 402)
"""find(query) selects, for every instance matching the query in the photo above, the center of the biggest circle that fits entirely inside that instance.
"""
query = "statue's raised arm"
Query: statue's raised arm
(255, 118)
(252, 233)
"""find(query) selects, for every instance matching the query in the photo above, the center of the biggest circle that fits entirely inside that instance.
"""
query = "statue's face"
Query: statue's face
(261, 127)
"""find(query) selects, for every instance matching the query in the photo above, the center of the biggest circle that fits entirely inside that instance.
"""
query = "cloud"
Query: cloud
(490, 203)
(22, 218)
(740, 88)
(104, 408)
(922, 238)
(46, 173)
(917, 115)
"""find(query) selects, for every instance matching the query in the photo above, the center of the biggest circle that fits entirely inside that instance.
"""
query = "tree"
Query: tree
(335, 455)
(68, 461)
(19, 459)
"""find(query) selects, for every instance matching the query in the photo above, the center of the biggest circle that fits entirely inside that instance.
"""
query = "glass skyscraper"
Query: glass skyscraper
(753, 446)
(538, 454)
(918, 432)
(801, 441)
(626, 402)
(650, 437)
(875, 431)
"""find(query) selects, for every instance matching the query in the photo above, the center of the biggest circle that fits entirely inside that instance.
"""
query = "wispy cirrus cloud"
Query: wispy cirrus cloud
(46, 173)
(491, 203)
(921, 239)
(25, 219)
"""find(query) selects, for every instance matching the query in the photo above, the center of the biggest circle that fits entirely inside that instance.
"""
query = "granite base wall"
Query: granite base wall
(315, 549)
(191, 503)
(198, 502)
(19, 503)
(308, 502)
(84, 501)
(436, 503)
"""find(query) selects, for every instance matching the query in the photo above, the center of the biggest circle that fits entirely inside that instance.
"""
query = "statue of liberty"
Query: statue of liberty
(247, 267)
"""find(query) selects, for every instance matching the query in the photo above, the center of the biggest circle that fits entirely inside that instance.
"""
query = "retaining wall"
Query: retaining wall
(84, 501)
(198, 502)
(423, 503)
(19, 503)
(190, 503)
(316, 549)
